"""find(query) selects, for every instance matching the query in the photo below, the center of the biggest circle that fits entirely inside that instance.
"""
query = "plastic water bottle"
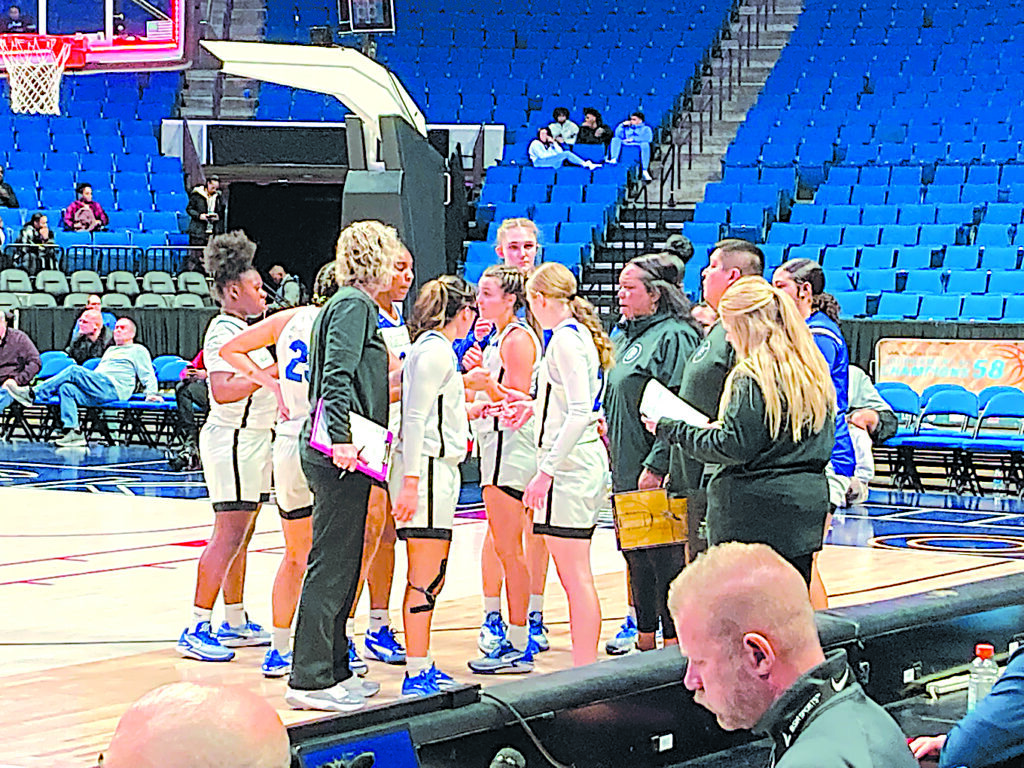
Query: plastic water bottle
(999, 484)
(983, 675)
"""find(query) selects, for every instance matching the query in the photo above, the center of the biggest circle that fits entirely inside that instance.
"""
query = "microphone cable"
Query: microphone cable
(526, 727)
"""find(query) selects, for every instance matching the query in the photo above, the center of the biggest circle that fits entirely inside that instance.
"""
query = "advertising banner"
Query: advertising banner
(972, 363)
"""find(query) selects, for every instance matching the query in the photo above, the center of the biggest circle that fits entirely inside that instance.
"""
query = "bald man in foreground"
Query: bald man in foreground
(754, 660)
(192, 725)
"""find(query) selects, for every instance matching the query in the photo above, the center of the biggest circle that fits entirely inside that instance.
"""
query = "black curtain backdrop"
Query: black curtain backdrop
(162, 331)
(294, 225)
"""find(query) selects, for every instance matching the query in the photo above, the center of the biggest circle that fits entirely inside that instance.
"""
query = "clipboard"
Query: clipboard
(372, 440)
(645, 519)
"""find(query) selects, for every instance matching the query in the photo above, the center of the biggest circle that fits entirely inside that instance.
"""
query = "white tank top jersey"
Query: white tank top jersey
(396, 338)
(394, 330)
(258, 410)
(492, 362)
(434, 420)
(569, 390)
(293, 368)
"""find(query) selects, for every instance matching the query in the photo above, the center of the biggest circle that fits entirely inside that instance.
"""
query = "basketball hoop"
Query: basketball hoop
(35, 65)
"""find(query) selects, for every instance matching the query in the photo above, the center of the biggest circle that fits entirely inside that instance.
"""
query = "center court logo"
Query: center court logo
(632, 353)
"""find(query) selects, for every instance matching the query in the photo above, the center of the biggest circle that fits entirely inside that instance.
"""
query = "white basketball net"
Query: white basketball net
(34, 72)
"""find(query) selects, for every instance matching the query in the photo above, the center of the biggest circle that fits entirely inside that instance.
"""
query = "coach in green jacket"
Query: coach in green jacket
(659, 334)
(775, 435)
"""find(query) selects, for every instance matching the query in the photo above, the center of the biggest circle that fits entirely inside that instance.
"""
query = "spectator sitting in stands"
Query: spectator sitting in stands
(633, 132)
(7, 197)
(283, 289)
(19, 358)
(94, 302)
(872, 422)
(85, 214)
(92, 338)
(593, 130)
(121, 368)
(188, 725)
(17, 23)
(563, 129)
(546, 153)
(36, 231)
(192, 396)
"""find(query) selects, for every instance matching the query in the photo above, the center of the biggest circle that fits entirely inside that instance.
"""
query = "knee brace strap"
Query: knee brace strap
(431, 592)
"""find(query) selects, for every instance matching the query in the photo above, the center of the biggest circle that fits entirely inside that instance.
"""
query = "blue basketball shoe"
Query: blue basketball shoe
(201, 644)
(382, 645)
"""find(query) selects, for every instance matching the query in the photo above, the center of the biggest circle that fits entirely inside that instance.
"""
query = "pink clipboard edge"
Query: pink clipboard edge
(327, 450)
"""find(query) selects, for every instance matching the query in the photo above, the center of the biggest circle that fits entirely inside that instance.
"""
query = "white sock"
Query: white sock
(234, 614)
(492, 605)
(537, 603)
(378, 619)
(518, 636)
(199, 615)
(282, 640)
(416, 664)
(632, 612)
(350, 628)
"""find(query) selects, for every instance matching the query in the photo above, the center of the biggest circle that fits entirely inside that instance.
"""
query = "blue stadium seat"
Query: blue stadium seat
(960, 257)
(899, 234)
(982, 308)
(914, 257)
(992, 234)
(876, 280)
(925, 281)
(843, 214)
(861, 234)
(939, 307)
(1006, 282)
(807, 214)
(840, 257)
(165, 221)
(812, 252)
(994, 257)
(868, 195)
(881, 257)
(920, 213)
(937, 235)
(1003, 213)
(884, 215)
(897, 306)
(965, 282)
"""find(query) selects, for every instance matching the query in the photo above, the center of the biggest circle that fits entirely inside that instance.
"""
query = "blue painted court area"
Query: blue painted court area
(974, 525)
(134, 470)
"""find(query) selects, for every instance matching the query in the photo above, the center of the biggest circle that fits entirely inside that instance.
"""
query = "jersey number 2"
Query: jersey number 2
(291, 371)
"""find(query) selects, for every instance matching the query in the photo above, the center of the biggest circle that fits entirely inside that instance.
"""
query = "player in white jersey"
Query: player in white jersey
(508, 460)
(235, 449)
(425, 477)
(290, 331)
(379, 543)
(572, 463)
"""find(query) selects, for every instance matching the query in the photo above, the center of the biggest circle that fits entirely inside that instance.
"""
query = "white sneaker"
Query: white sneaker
(647, 176)
(334, 699)
(360, 687)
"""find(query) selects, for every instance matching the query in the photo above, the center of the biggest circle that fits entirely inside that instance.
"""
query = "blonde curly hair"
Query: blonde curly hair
(366, 255)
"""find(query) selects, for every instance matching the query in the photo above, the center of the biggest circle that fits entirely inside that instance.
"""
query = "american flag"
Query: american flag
(160, 30)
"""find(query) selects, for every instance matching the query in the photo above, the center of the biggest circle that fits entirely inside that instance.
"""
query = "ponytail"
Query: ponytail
(585, 314)
(826, 303)
(439, 302)
(555, 281)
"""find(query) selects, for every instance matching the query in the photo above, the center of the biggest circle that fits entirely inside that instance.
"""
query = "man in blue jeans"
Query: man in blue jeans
(633, 132)
(120, 369)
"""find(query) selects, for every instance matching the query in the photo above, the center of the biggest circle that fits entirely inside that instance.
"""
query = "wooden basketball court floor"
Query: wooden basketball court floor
(95, 588)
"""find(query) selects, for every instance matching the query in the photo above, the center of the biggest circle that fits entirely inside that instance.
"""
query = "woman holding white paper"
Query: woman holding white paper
(572, 463)
(658, 335)
(348, 374)
(425, 481)
(775, 431)
(289, 331)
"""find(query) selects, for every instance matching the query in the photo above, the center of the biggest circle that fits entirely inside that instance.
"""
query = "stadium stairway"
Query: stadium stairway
(652, 212)
(233, 97)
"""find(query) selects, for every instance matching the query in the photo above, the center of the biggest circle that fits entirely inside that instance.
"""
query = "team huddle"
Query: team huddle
(468, 363)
